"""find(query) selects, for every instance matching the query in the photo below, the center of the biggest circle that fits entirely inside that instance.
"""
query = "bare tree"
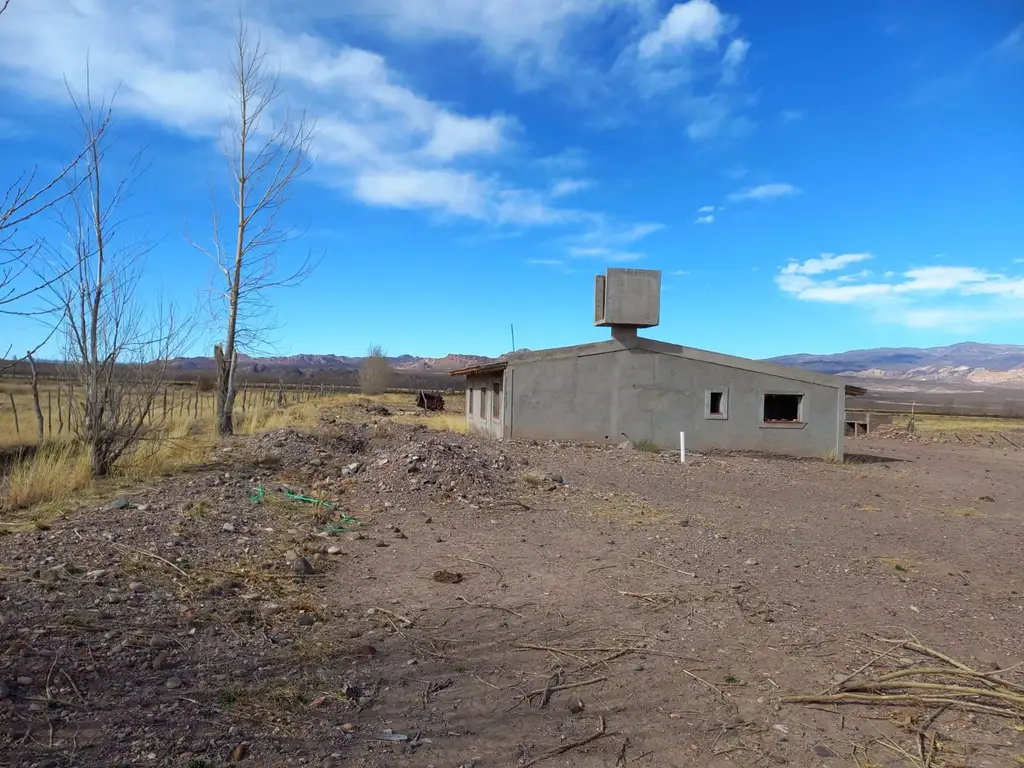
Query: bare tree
(116, 345)
(375, 373)
(269, 149)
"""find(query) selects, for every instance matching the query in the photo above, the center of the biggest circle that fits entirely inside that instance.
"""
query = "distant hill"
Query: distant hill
(970, 363)
(967, 362)
(309, 364)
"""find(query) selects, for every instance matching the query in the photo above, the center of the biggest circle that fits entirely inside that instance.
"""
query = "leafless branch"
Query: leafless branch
(268, 151)
(116, 345)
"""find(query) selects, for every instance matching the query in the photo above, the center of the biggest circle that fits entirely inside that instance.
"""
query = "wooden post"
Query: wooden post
(49, 412)
(14, 408)
(71, 401)
(60, 412)
(245, 391)
(165, 405)
(195, 405)
(35, 396)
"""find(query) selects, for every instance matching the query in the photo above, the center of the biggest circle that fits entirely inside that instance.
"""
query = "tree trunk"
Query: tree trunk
(225, 392)
(99, 461)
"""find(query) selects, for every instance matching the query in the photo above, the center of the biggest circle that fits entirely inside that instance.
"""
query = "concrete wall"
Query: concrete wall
(480, 398)
(609, 395)
(861, 423)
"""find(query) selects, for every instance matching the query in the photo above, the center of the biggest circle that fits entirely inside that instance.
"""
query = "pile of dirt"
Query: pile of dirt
(298, 450)
(414, 459)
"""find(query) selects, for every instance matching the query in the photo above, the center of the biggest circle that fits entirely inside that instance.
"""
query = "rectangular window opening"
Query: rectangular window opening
(783, 409)
(496, 401)
(469, 401)
(715, 403)
(483, 403)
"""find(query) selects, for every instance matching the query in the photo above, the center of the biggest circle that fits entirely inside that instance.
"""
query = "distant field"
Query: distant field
(1007, 404)
(174, 403)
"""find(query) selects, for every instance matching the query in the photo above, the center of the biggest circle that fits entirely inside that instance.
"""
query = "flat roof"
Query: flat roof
(652, 345)
(473, 370)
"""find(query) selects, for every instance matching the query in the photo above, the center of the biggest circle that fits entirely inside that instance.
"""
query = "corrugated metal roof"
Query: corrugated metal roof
(854, 391)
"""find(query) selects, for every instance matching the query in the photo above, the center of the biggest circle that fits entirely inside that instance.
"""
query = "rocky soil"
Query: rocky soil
(380, 594)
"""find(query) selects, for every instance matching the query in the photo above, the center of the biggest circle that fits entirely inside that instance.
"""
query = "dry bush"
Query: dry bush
(54, 472)
(375, 375)
(175, 445)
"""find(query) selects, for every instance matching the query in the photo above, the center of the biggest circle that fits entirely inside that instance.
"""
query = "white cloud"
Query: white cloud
(791, 115)
(765, 192)
(735, 55)
(566, 187)
(922, 297)
(458, 193)
(1014, 41)
(545, 262)
(549, 43)
(677, 60)
(827, 262)
(696, 23)
(706, 219)
(706, 209)
(533, 35)
(604, 254)
(453, 136)
(377, 138)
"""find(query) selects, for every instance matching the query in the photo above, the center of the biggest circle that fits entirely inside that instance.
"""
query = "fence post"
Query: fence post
(49, 412)
(35, 396)
(14, 408)
(60, 412)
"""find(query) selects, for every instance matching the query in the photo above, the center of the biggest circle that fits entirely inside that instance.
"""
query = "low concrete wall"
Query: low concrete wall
(615, 394)
(860, 423)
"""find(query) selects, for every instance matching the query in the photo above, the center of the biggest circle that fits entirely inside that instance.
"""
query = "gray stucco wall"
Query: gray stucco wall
(644, 395)
(480, 414)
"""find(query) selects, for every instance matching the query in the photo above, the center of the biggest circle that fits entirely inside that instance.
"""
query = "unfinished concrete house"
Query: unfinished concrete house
(639, 389)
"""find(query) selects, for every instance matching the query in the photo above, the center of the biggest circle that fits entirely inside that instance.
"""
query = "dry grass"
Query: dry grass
(445, 422)
(60, 469)
(54, 473)
(961, 423)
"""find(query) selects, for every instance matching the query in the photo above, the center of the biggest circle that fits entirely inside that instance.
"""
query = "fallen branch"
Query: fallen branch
(896, 700)
(570, 746)
(492, 606)
(666, 567)
(404, 619)
(501, 576)
(126, 548)
(547, 690)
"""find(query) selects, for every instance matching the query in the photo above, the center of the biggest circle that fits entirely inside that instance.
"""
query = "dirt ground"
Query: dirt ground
(476, 603)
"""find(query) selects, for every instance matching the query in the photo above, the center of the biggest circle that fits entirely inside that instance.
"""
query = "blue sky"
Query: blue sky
(810, 178)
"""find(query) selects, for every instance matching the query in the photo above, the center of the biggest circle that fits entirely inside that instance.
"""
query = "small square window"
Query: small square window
(716, 403)
(783, 409)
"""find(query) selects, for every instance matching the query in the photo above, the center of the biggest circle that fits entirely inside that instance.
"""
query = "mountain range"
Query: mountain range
(965, 363)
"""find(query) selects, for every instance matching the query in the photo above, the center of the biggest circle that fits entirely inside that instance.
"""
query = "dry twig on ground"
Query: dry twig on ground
(951, 685)
(601, 731)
